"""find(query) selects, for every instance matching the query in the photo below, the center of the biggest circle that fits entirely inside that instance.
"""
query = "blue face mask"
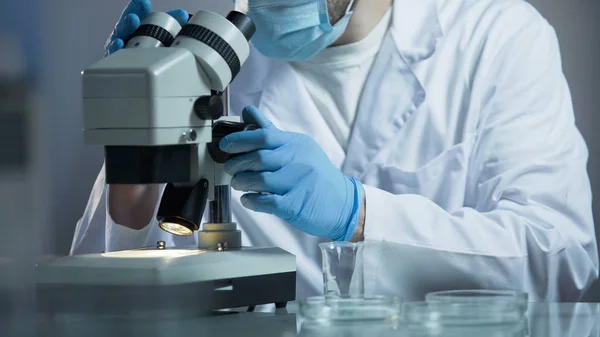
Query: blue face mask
(294, 30)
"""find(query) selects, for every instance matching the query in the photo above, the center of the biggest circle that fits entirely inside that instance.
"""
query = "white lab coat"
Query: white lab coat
(474, 172)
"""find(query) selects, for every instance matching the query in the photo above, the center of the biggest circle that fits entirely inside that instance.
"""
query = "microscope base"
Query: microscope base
(169, 280)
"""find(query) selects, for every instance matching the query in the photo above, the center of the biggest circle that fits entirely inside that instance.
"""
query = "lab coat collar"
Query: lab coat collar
(383, 111)
(416, 28)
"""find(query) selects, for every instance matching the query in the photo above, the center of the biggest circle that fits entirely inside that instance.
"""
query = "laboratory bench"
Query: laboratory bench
(540, 320)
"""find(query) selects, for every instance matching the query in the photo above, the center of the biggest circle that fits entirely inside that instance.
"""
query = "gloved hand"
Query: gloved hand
(294, 178)
(134, 13)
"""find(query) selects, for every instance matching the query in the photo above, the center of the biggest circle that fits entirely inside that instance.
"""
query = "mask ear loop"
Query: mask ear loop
(351, 6)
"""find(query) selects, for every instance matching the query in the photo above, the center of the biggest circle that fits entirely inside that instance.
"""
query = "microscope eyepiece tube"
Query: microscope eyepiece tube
(243, 23)
(156, 30)
(220, 45)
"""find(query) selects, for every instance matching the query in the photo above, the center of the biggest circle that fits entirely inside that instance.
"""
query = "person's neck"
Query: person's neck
(366, 16)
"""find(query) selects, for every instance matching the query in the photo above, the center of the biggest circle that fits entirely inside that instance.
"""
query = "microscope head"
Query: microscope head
(158, 108)
(151, 106)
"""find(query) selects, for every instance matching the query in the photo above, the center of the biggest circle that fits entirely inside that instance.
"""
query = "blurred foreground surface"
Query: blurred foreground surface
(542, 320)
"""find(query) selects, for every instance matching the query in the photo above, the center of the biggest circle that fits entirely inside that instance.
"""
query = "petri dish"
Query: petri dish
(476, 296)
(520, 329)
(325, 309)
(507, 299)
(444, 314)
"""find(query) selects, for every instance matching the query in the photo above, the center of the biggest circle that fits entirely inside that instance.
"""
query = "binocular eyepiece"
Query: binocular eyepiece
(220, 44)
(160, 29)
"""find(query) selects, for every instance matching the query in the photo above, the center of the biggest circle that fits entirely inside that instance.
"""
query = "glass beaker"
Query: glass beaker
(343, 272)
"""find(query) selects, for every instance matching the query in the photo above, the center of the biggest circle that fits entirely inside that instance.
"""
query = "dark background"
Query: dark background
(61, 37)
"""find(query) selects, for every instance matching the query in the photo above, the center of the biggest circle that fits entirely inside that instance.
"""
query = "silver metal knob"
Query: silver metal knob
(190, 135)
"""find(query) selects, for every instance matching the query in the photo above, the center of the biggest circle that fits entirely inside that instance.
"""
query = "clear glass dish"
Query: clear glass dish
(477, 296)
(508, 299)
(343, 309)
(519, 329)
(462, 314)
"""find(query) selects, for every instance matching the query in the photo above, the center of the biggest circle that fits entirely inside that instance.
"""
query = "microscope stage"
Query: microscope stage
(201, 278)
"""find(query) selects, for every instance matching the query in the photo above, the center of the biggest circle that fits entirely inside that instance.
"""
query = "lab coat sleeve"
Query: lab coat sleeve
(530, 226)
(97, 232)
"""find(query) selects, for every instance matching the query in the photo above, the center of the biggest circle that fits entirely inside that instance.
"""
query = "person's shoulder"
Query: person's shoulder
(486, 27)
(506, 17)
(461, 9)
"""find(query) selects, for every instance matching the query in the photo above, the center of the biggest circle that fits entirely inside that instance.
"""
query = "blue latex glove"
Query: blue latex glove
(134, 13)
(294, 178)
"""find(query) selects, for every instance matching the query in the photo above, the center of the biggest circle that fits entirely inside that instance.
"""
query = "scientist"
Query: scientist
(443, 130)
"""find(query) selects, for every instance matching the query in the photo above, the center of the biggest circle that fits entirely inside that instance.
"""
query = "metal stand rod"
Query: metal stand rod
(220, 211)
(225, 101)
(219, 207)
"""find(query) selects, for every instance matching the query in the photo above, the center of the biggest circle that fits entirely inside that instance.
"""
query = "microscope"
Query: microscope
(160, 107)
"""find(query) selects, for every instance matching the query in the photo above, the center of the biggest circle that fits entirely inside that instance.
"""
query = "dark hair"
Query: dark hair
(337, 9)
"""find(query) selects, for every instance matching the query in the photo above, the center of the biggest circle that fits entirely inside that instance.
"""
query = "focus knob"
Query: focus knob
(209, 107)
(220, 130)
